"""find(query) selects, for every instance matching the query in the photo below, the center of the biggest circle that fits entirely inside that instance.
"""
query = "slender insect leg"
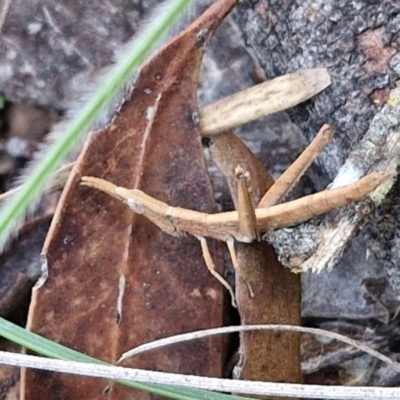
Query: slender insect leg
(235, 262)
(247, 215)
(296, 211)
(211, 267)
(291, 176)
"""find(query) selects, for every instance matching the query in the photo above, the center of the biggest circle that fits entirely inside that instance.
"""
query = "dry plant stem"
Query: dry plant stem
(360, 345)
(291, 176)
(223, 226)
(219, 385)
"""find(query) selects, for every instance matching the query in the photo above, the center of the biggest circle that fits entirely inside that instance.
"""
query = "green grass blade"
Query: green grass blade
(51, 349)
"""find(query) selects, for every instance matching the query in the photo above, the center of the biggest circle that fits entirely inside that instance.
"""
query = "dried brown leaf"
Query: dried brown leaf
(266, 292)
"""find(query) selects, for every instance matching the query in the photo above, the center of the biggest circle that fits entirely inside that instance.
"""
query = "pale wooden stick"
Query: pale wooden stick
(216, 384)
(291, 176)
(266, 98)
(180, 338)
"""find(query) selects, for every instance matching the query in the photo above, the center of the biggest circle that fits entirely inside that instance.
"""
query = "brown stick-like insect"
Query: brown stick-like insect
(246, 224)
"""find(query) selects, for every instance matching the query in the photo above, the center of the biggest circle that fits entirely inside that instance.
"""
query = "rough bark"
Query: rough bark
(357, 41)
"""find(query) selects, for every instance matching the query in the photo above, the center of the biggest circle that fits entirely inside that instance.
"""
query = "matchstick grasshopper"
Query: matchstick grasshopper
(246, 224)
